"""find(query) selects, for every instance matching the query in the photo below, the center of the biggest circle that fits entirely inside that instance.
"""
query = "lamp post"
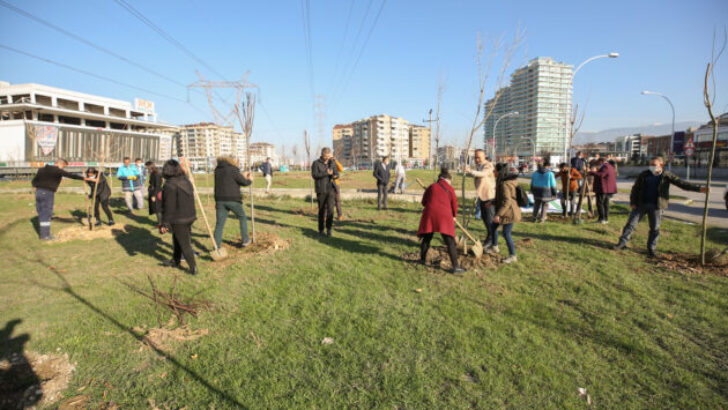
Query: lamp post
(672, 134)
(495, 126)
(567, 140)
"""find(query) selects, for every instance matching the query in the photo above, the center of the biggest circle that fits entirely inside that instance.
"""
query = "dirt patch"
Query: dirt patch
(166, 337)
(82, 233)
(437, 257)
(690, 264)
(265, 244)
(308, 211)
(33, 379)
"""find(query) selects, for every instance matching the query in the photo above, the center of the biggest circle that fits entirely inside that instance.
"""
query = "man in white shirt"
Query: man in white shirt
(400, 176)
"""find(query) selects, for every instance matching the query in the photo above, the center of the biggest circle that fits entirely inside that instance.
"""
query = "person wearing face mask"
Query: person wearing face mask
(650, 195)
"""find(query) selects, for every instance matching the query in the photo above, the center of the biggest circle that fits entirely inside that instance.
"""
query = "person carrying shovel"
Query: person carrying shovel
(178, 213)
(441, 206)
(228, 181)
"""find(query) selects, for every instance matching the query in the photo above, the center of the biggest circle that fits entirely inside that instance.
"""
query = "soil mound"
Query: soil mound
(32, 379)
(437, 257)
(164, 338)
(82, 233)
(716, 263)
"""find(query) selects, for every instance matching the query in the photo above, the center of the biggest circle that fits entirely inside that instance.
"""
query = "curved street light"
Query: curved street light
(672, 135)
(510, 114)
(568, 114)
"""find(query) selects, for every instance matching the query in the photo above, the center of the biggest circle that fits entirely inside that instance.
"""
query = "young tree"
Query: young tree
(245, 111)
(709, 101)
(307, 146)
(485, 63)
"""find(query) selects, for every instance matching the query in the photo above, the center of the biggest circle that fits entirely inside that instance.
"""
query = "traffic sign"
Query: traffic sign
(689, 151)
(689, 147)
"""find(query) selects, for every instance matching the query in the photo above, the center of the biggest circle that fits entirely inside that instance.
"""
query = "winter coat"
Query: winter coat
(155, 187)
(266, 169)
(381, 173)
(484, 181)
(228, 181)
(441, 206)
(339, 168)
(574, 180)
(663, 188)
(178, 202)
(130, 178)
(103, 192)
(578, 163)
(49, 177)
(543, 184)
(605, 180)
(324, 182)
(506, 204)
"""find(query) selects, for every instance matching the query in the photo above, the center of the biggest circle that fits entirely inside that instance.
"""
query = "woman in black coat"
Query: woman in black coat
(155, 188)
(178, 213)
(103, 193)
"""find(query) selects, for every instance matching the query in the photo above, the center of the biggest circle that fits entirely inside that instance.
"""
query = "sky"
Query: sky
(369, 57)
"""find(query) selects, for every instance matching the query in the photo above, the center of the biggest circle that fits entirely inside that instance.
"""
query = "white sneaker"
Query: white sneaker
(510, 259)
(492, 249)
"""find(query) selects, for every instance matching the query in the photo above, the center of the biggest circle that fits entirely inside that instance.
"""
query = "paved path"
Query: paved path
(681, 210)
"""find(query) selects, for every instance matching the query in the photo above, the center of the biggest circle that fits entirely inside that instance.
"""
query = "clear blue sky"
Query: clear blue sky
(664, 46)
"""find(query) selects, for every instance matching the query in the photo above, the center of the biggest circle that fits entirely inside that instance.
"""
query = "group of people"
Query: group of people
(499, 197)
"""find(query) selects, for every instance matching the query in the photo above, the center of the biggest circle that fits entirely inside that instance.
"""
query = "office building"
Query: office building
(201, 143)
(39, 124)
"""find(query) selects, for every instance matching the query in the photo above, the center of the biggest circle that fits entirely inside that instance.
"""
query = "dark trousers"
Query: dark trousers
(449, 242)
(487, 212)
(337, 200)
(182, 239)
(103, 203)
(44, 199)
(507, 229)
(570, 203)
(221, 212)
(654, 215)
(326, 202)
(603, 206)
(539, 208)
(381, 196)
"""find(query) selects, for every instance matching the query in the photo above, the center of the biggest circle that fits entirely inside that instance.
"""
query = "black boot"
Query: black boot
(171, 263)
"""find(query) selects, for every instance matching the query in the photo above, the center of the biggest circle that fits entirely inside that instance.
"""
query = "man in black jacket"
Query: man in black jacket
(650, 195)
(381, 173)
(178, 213)
(324, 172)
(45, 184)
(228, 181)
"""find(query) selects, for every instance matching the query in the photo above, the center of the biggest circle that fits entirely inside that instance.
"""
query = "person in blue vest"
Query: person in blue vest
(543, 188)
(131, 184)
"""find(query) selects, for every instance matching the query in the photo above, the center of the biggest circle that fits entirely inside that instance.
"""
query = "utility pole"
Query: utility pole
(433, 164)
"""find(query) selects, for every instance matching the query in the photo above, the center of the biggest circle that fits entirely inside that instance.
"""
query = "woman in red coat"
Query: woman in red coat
(441, 206)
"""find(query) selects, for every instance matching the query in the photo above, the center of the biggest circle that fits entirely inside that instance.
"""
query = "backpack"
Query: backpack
(521, 196)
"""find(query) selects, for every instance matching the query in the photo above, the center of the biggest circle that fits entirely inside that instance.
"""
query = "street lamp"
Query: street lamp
(568, 114)
(672, 135)
(510, 114)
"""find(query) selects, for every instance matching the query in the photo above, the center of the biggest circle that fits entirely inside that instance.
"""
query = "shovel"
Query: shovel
(217, 254)
(477, 246)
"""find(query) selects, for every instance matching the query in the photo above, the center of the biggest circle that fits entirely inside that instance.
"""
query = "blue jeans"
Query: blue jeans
(654, 215)
(507, 229)
(221, 212)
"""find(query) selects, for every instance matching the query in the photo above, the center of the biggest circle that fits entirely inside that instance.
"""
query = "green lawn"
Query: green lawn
(571, 313)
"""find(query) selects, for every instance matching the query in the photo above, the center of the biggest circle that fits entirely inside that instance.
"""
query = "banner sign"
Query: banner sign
(47, 137)
(144, 106)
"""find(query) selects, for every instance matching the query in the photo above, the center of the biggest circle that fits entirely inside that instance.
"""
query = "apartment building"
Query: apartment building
(342, 140)
(541, 94)
(201, 143)
(420, 144)
(372, 138)
(40, 123)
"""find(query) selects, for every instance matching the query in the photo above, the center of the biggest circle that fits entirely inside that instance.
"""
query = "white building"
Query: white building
(201, 143)
(629, 146)
(260, 151)
(40, 124)
(375, 137)
(541, 94)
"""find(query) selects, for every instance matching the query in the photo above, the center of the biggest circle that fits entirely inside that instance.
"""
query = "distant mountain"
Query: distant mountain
(585, 137)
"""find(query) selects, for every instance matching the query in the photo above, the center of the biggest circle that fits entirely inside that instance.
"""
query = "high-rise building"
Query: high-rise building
(420, 144)
(541, 94)
(200, 143)
(372, 138)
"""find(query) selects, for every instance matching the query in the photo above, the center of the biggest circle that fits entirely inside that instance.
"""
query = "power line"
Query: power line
(87, 42)
(78, 70)
(136, 13)
(355, 45)
(361, 51)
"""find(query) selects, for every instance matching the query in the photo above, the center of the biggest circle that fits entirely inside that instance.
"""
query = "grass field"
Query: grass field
(571, 313)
